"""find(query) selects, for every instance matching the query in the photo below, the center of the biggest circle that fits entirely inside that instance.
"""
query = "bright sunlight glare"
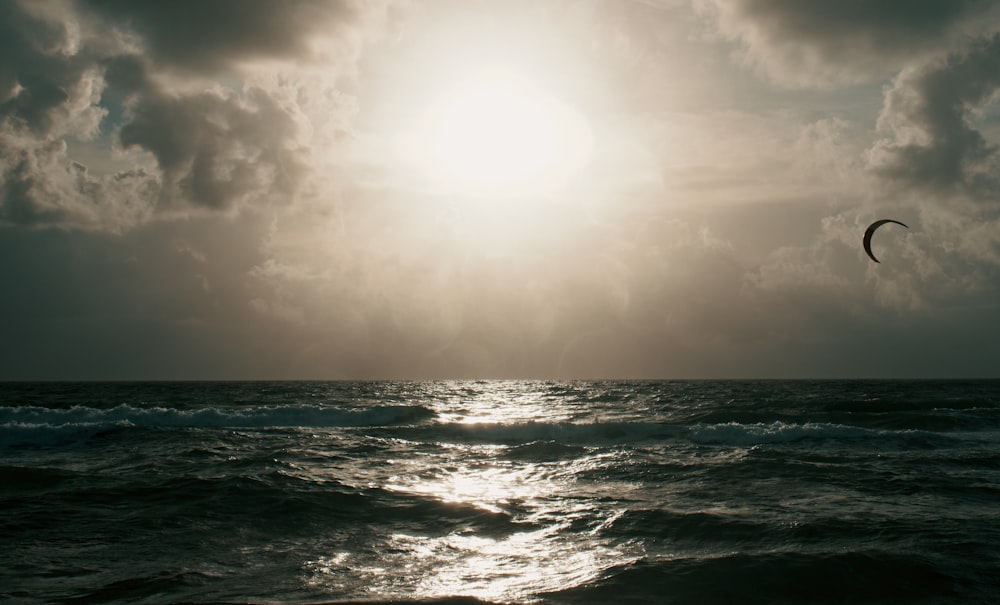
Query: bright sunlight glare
(496, 134)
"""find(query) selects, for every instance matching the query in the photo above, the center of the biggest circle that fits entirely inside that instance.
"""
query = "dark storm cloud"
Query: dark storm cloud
(814, 41)
(29, 198)
(163, 78)
(44, 79)
(205, 36)
(46, 90)
(945, 56)
(214, 148)
(886, 24)
(928, 115)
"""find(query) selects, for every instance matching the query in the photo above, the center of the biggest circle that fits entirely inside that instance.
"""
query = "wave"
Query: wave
(15, 478)
(930, 417)
(47, 426)
(571, 433)
(637, 433)
(775, 577)
(292, 504)
(544, 451)
(760, 433)
(455, 600)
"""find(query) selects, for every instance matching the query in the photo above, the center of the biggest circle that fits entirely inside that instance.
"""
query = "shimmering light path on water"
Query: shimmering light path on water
(507, 492)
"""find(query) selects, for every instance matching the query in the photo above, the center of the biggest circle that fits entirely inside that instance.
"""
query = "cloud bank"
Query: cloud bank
(162, 88)
(811, 42)
(207, 190)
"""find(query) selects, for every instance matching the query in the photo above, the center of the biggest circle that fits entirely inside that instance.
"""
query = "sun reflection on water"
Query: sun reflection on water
(489, 488)
(545, 536)
(481, 508)
(518, 568)
(506, 403)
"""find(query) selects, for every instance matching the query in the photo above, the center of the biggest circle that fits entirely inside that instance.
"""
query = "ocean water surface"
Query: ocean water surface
(682, 492)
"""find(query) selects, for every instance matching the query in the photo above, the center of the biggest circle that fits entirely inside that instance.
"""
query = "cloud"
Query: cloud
(931, 160)
(930, 140)
(40, 186)
(207, 37)
(718, 233)
(47, 84)
(196, 106)
(217, 148)
(819, 43)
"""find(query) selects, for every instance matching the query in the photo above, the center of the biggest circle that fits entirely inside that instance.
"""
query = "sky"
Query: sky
(347, 189)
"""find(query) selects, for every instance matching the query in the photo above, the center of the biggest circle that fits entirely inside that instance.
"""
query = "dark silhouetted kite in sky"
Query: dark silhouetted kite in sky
(868, 235)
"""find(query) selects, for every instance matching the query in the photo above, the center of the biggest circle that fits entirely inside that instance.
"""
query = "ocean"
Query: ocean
(466, 492)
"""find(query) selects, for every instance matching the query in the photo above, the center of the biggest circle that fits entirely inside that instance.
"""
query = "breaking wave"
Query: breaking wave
(41, 425)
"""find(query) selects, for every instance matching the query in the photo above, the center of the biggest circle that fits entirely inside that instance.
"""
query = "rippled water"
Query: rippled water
(501, 491)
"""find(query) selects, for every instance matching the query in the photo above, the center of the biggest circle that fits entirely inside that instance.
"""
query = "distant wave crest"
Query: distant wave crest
(41, 425)
(604, 433)
(575, 433)
(30, 424)
(734, 433)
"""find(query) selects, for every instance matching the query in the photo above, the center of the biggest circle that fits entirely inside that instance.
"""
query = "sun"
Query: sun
(498, 134)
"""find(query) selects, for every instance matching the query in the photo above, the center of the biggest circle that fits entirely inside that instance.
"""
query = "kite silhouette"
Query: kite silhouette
(867, 240)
